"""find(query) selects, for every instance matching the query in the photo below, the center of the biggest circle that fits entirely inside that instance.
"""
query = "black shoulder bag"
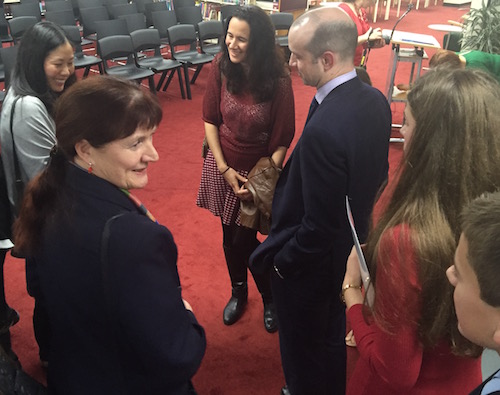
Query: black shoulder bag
(18, 182)
(8, 211)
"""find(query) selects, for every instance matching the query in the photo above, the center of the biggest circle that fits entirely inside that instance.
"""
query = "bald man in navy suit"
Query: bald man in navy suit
(342, 152)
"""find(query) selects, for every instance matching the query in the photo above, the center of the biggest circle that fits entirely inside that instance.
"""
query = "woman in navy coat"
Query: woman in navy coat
(106, 268)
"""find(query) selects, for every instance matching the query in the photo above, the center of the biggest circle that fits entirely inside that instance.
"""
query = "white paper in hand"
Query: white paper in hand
(365, 274)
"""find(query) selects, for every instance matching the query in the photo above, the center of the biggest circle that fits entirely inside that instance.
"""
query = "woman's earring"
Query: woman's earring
(90, 169)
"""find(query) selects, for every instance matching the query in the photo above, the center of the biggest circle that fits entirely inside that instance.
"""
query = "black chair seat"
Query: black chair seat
(81, 61)
(129, 71)
(180, 36)
(158, 63)
(84, 61)
(193, 57)
(113, 47)
(148, 41)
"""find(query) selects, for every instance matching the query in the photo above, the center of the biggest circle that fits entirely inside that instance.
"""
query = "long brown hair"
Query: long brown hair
(453, 157)
(99, 110)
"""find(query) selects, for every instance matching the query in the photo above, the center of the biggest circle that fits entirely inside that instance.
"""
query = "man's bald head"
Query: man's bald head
(327, 29)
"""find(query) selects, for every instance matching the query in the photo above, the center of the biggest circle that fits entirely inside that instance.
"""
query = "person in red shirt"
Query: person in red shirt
(408, 340)
(368, 37)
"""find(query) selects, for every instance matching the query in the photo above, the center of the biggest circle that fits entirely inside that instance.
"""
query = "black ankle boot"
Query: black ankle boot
(236, 305)
(270, 317)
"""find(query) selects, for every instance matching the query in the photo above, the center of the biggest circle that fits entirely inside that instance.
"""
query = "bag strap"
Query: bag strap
(110, 299)
(17, 169)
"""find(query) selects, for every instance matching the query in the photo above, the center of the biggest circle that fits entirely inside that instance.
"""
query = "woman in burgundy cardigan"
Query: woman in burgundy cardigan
(248, 111)
(408, 340)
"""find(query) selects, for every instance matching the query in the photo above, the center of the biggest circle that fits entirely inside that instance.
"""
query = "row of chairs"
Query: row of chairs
(184, 54)
(34, 7)
(114, 8)
(91, 11)
(209, 35)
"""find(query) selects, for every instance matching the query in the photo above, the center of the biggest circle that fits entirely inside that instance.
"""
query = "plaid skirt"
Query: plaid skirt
(216, 195)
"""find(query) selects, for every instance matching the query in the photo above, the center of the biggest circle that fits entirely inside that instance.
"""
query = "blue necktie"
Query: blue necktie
(314, 105)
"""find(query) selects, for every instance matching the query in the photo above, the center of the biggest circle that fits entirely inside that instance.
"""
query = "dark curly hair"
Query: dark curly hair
(266, 63)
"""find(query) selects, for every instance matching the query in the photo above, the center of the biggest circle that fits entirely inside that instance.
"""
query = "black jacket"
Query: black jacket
(129, 334)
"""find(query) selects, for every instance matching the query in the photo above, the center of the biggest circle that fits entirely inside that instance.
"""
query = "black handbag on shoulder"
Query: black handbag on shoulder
(8, 211)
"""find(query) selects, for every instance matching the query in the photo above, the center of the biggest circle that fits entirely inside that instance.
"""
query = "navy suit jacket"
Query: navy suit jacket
(141, 340)
(343, 151)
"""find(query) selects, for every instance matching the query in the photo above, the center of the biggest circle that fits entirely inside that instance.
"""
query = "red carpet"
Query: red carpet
(241, 359)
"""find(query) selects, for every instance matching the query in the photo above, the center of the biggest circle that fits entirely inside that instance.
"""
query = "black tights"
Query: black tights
(239, 242)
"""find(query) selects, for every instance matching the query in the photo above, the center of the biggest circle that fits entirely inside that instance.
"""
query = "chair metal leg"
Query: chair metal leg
(86, 72)
(152, 87)
(162, 78)
(186, 79)
(196, 73)
(181, 84)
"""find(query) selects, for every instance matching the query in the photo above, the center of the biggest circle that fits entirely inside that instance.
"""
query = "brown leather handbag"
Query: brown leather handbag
(262, 179)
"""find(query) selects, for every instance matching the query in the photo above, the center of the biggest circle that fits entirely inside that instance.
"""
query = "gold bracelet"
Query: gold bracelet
(345, 288)
(225, 171)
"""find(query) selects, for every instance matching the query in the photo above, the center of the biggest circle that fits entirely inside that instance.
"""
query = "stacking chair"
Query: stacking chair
(182, 36)
(89, 17)
(112, 27)
(65, 18)
(149, 40)
(76, 9)
(113, 47)
(183, 3)
(61, 18)
(5, 36)
(2, 78)
(134, 21)
(26, 9)
(8, 60)
(226, 11)
(110, 3)
(141, 5)
(162, 20)
(90, 3)
(81, 61)
(282, 21)
(19, 25)
(210, 30)
(116, 10)
(189, 15)
(152, 7)
(8, 56)
(58, 5)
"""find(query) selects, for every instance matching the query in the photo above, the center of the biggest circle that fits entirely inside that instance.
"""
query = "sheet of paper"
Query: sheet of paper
(365, 274)
(413, 39)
